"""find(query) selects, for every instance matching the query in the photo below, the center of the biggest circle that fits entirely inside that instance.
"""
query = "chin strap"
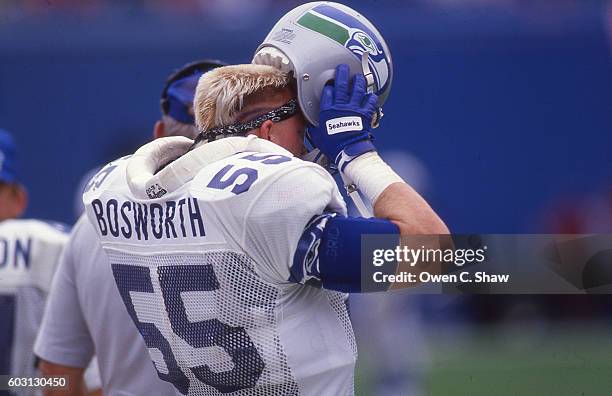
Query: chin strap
(367, 73)
(315, 155)
(353, 193)
(370, 84)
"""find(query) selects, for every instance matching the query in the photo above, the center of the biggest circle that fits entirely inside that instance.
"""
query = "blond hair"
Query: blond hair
(221, 93)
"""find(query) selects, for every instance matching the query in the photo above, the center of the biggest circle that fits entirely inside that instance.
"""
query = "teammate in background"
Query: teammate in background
(85, 311)
(13, 196)
(29, 252)
(176, 105)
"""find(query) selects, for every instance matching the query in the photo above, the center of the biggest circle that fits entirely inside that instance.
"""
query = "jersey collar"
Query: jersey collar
(179, 166)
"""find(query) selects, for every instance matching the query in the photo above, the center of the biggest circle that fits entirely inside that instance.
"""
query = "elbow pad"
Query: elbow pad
(328, 254)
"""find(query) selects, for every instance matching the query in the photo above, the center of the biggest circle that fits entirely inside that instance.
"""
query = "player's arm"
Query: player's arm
(329, 251)
(306, 239)
(400, 203)
(74, 379)
(63, 344)
(356, 157)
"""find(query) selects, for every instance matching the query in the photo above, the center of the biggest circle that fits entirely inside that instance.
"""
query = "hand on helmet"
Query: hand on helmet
(345, 119)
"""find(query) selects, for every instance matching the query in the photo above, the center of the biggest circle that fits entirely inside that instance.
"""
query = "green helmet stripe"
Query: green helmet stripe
(325, 27)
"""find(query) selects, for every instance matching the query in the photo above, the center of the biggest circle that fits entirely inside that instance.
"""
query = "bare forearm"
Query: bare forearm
(392, 198)
(416, 221)
(402, 205)
(75, 382)
(398, 202)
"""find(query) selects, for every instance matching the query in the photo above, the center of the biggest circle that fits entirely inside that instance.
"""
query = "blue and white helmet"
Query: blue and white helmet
(312, 39)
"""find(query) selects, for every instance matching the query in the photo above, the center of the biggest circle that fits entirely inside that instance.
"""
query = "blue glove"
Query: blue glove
(345, 119)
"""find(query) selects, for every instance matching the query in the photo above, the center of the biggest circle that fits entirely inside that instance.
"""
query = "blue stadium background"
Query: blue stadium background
(509, 108)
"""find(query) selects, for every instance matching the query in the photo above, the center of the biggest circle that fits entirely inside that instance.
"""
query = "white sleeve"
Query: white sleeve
(63, 337)
(275, 222)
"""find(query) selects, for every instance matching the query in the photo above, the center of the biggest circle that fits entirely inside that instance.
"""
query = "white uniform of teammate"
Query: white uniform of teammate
(85, 314)
(204, 271)
(29, 252)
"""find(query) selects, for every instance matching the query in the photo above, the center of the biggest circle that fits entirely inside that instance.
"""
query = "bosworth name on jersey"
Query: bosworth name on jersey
(141, 221)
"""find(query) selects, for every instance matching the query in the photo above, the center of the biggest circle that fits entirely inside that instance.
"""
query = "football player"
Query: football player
(233, 256)
(29, 252)
(85, 311)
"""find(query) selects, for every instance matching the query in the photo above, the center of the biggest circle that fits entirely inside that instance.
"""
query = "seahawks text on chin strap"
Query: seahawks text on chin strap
(353, 192)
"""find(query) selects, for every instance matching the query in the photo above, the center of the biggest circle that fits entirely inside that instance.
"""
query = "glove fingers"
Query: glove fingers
(359, 89)
(327, 97)
(370, 104)
(341, 84)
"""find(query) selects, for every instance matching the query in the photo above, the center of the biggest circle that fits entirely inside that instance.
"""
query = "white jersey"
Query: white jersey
(29, 252)
(204, 272)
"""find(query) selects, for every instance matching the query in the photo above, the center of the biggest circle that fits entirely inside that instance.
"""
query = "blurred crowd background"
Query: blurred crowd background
(500, 114)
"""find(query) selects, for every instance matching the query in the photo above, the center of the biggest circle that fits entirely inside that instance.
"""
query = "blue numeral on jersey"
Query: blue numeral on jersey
(175, 280)
(136, 278)
(248, 364)
(220, 183)
(96, 181)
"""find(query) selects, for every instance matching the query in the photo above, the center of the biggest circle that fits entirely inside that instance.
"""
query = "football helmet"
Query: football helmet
(312, 39)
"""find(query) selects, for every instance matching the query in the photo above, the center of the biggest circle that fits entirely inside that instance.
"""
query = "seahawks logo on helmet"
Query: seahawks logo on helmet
(359, 43)
(366, 42)
(352, 34)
